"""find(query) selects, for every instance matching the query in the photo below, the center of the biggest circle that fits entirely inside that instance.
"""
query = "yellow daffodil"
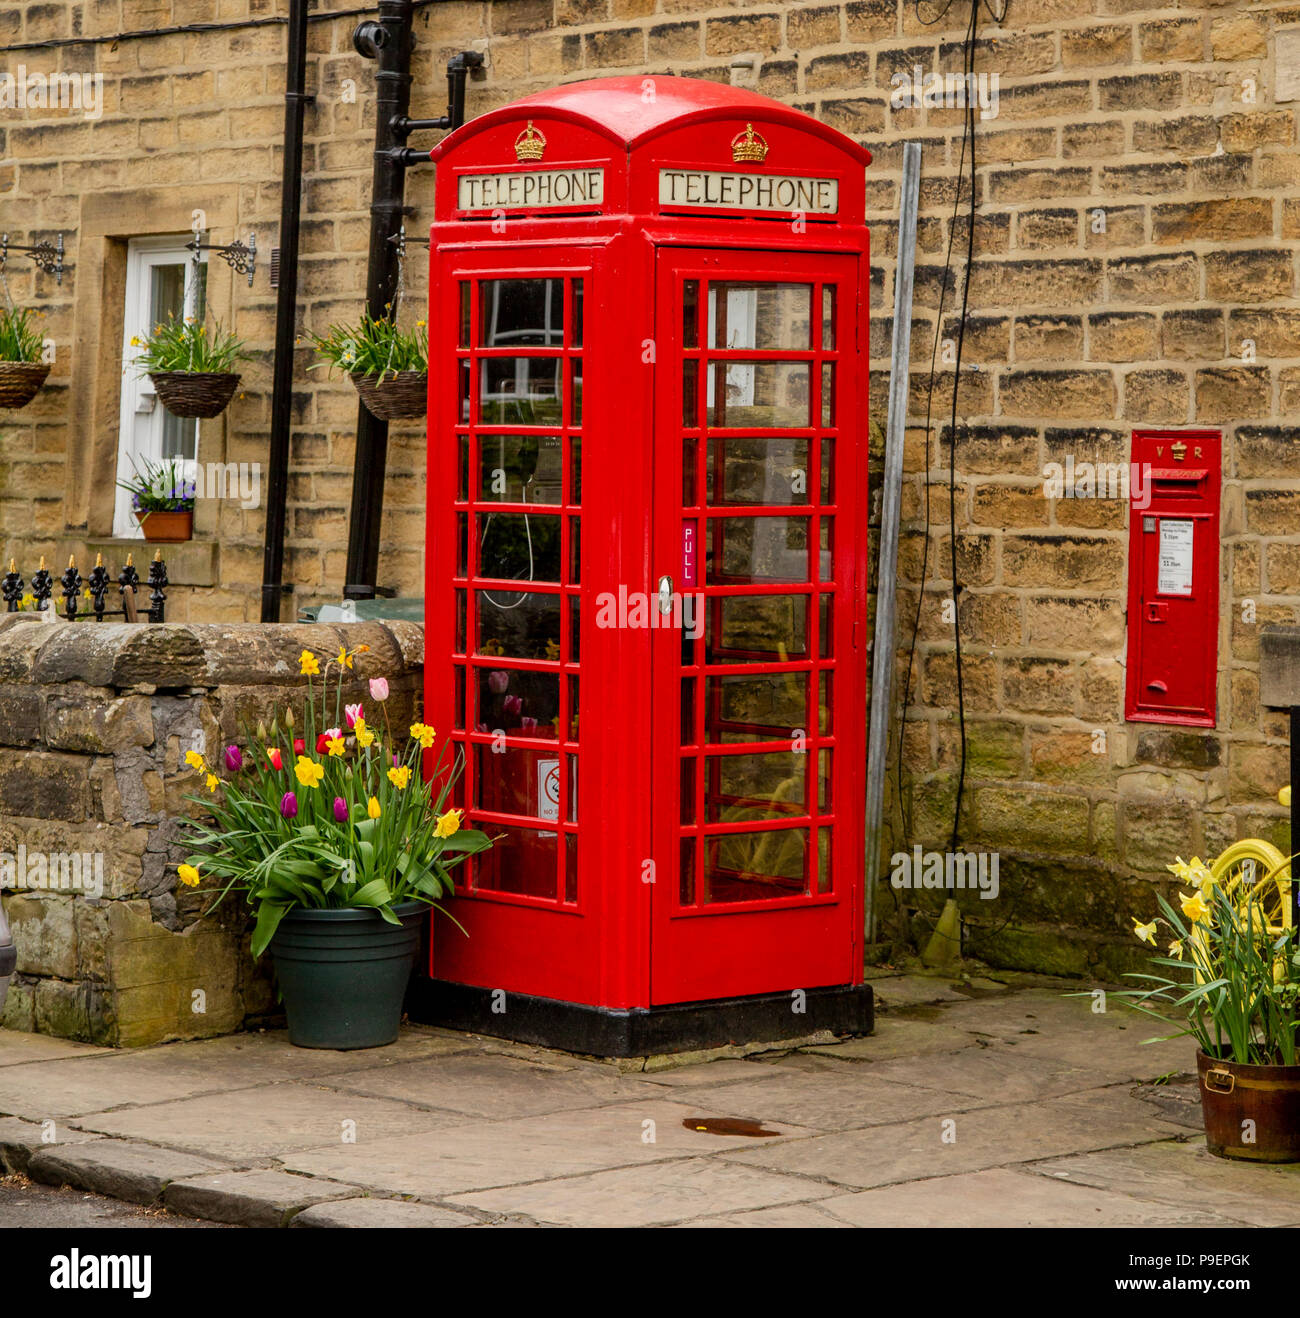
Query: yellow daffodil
(423, 734)
(344, 659)
(1176, 948)
(447, 824)
(1146, 932)
(195, 760)
(372, 807)
(308, 772)
(1194, 906)
(362, 733)
(400, 777)
(188, 875)
(1193, 871)
(307, 665)
(1284, 796)
(213, 780)
(335, 745)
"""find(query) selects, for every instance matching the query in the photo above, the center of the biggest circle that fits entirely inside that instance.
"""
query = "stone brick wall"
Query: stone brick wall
(95, 721)
(1139, 211)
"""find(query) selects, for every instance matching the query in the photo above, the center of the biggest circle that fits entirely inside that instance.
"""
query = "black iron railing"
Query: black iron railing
(88, 597)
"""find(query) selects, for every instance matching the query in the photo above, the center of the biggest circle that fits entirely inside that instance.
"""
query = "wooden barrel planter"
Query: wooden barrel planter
(20, 382)
(401, 396)
(195, 393)
(1251, 1112)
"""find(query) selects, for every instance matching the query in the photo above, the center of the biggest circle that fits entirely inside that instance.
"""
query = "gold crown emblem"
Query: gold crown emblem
(530, 144)
(1179, 450)
(748, 146)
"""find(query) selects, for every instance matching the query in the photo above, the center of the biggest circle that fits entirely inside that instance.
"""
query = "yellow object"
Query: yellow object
(1255, 873)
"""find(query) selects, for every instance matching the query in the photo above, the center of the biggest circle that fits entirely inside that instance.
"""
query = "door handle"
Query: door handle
(665, 595)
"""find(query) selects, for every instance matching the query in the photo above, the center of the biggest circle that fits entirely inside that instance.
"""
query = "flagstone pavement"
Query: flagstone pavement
(973, 1104)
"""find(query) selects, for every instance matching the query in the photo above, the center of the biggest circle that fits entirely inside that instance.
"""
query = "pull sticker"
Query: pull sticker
(1175, 569)
(689, 548)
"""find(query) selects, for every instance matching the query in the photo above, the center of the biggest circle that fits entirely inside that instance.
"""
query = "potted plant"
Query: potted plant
(1236, 975)
(388, 366)
(162, 500)
(340, 848)
(22, 372)
(190, 368)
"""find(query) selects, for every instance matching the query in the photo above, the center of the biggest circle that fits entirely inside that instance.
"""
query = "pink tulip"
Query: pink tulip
(289, 805)
(513, 704)
(379, 688)
(353, 712)
(498, 681)
(528, 724)
(340, 810)
(234, 759)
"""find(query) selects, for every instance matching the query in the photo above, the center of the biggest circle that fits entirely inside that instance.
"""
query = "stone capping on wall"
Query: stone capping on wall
(95, 720)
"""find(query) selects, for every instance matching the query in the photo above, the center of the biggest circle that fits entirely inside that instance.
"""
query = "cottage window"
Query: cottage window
(162, 279)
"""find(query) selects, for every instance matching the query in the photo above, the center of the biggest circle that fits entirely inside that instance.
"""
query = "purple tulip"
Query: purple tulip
(288, 805)
(528, 724)
(498, 681)
(340, 810)
(234, 759)
(513, 704)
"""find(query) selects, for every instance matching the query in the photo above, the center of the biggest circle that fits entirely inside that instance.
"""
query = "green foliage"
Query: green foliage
(1237, 982)
(345, 825)
(185, 345)
(373, 348)
(161, 487)
(19, 341)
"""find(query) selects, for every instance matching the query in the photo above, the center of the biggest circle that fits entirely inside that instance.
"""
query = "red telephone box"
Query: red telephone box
(647, 566)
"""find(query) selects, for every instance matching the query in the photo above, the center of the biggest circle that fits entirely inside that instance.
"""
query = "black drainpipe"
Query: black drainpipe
(388, 41)
(277, 484)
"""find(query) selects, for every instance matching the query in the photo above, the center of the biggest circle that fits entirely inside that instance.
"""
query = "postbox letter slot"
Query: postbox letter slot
(1157, 685)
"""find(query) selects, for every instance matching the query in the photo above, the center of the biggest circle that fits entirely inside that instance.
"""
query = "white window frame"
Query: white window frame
(140, 418)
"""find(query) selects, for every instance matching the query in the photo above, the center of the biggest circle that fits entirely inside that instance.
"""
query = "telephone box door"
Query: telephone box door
(759, 570)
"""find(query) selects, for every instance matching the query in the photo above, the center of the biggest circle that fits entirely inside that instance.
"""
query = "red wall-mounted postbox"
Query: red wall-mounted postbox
(1173, 593)
(647, 565)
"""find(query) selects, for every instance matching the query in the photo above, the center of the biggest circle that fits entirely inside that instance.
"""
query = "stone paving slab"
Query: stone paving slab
(655, 1195)
(378, 1213)
(982, 1138)
(1046, 1023)
(1004, 1198)
(266, 1122)
(998, 1073)
(835, 1099)
(897, 1036)
(491, 1086)
(896, 991)
(109, 1078)
(787, 1215)
(17, 1047)
(20, 1139)
(138, 1173)
(1176, 1174)
(483, 1155)
(256, 1198)
(718, 1073)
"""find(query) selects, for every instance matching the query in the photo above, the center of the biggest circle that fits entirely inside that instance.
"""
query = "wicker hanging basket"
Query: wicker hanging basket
(195, 393)
(20, 382)
(401, 396)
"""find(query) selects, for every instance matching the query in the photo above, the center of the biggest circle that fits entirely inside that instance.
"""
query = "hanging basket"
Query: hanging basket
(195, 393)
(20, 382)
(401, 396)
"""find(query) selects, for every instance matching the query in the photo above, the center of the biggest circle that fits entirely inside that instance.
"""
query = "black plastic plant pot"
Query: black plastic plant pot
(344, 973)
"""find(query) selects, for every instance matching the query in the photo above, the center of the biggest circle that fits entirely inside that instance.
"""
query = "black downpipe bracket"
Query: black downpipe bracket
(277, 487)
(388, 41)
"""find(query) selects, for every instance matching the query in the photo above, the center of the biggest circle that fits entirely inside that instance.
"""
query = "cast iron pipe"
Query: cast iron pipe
(388, 41)
(277, 486)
